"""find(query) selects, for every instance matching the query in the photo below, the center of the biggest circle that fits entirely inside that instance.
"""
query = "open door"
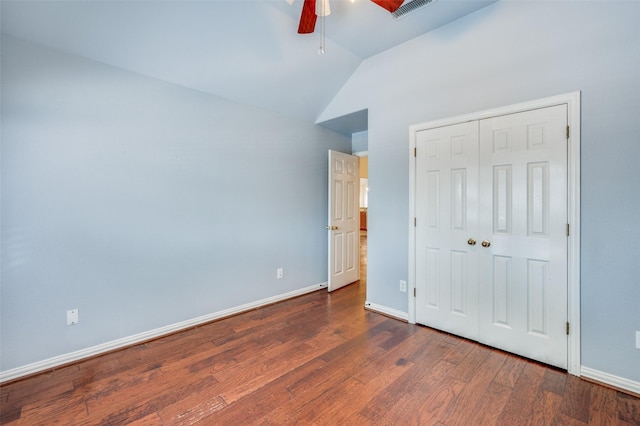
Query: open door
(344, 220)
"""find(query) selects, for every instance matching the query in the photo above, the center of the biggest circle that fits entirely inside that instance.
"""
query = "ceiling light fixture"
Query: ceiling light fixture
(311, 9)
(323, 8)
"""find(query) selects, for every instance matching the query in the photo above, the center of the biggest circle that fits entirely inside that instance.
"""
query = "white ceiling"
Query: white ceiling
(246, 51)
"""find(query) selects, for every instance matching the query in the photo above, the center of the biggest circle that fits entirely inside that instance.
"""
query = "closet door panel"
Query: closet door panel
(446, 217)
(523, 214)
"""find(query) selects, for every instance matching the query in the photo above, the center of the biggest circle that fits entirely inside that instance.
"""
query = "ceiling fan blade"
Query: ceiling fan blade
(390, 5)
(308, 17)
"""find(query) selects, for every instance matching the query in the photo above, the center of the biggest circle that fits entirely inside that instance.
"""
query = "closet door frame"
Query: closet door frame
(572, 100)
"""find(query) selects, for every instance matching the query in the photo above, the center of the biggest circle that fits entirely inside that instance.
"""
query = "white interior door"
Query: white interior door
(491, 240)
(523, 272)
(344, 219)
(446, 220)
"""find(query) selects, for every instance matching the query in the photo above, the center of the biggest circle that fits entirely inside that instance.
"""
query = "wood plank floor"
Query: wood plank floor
(317, 359)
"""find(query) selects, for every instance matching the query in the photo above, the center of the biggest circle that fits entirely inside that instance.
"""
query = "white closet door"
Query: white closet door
(523, 212)
(491, 238)
(446, 212)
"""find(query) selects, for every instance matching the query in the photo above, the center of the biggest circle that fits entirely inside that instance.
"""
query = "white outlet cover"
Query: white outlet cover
(403, 286)
(72, 317)
(637, 339)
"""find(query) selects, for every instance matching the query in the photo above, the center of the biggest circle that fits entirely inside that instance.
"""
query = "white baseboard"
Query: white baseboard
(79, 355)
(387, 311)
(610, 379)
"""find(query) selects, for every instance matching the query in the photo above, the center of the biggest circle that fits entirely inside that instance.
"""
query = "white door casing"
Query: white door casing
(344, 220)
(530, 193)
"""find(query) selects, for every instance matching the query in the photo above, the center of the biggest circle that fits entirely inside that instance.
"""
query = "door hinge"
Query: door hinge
(567, 328)
(415, 222)
(414, 292)
(567, 132)
(415, 152)
(567, 229)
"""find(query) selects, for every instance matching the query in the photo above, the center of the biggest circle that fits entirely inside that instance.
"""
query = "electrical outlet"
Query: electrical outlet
(280, 273)
(637, 339)
(403, 286)
(72, 317)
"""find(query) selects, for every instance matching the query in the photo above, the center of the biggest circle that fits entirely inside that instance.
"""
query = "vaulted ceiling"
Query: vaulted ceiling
(246, 51)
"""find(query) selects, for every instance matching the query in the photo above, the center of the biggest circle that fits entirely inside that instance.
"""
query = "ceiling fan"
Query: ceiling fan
(311, 9)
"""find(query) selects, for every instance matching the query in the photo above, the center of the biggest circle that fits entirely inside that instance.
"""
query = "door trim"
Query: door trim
(572, 100)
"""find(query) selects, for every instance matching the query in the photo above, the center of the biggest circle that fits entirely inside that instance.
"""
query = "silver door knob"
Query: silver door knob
(332, 228)
(471, 242)
(485, 243)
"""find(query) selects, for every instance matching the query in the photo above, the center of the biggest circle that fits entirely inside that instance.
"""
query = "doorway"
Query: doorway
(364, 211)
(360, 148)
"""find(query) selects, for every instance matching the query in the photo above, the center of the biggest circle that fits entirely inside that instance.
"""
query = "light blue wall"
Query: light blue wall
(360, 141)
(144, 204)
(507, 53)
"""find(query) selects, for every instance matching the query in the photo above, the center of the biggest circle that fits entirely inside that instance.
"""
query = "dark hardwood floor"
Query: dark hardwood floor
(317, 359)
